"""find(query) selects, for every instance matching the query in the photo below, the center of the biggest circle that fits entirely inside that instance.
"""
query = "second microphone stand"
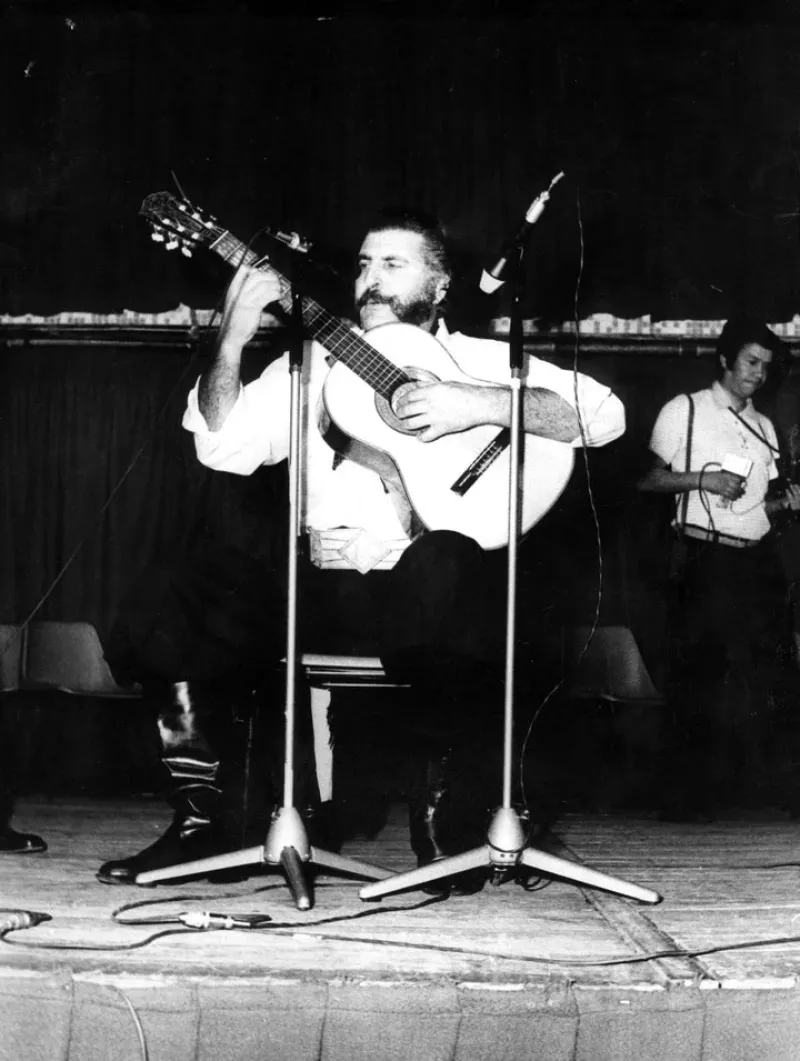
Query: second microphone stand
(286, 847)
(505, 850)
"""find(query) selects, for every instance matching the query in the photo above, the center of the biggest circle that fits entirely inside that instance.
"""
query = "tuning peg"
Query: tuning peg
(186, 250)
(172, 243)
(156, 236)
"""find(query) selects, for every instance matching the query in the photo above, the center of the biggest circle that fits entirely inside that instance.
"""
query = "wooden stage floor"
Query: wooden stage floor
(556, 972)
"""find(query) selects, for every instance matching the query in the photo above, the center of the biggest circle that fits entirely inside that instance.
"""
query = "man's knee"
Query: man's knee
(441, 552)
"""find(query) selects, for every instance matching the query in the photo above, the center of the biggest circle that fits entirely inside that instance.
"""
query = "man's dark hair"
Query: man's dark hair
(411, 220)
(739, 331)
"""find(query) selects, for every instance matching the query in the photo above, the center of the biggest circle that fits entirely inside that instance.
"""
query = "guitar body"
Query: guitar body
(356, 417)
(427, 471)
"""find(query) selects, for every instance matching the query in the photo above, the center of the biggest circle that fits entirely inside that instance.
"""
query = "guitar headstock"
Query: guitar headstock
(178, 224)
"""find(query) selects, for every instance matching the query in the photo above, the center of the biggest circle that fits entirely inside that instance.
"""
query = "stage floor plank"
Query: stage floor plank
(725, 882)
(722, 883)
(500, 930)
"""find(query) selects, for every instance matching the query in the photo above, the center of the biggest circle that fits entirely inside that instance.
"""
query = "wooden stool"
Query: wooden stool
(324, 673)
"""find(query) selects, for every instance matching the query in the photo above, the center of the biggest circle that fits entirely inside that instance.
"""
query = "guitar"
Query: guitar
(460, 481)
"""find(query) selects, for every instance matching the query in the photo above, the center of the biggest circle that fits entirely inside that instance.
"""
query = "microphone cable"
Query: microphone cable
(189, 921)
(593, 506)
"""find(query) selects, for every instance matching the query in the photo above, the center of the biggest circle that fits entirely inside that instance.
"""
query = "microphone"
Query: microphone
(315, 255)
(496, 276)
(292, 240)
(740, 466)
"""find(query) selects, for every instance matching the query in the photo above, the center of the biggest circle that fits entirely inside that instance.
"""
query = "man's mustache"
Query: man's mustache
(374, 298)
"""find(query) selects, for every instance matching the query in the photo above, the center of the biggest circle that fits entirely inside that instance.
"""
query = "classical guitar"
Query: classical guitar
(459, 482)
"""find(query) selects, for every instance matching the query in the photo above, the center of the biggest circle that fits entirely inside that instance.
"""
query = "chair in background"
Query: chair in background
(81, 740)
(69, 657)
(607, 667)
(627, 722)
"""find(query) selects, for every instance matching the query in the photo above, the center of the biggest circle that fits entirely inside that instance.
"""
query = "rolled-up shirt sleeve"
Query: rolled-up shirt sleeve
(601, 414)
(255, 432)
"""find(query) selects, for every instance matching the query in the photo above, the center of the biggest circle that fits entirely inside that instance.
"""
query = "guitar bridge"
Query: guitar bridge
(484, 460)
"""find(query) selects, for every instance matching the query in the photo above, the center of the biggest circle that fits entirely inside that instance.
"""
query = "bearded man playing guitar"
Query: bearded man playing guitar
(405, 535)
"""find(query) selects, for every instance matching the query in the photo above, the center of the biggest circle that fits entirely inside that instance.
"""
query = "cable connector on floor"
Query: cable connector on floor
(13, 920)
(206, 920)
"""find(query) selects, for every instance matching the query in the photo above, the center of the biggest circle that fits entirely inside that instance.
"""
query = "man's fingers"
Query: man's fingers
(408, 406)
(429, 434)
(415, 423)
(252, 287)
(421, 426)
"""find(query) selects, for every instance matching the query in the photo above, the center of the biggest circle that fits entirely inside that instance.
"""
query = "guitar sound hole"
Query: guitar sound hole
(385, 407)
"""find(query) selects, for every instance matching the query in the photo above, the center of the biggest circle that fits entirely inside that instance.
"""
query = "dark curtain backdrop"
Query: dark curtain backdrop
(80, 429)
(98, 479)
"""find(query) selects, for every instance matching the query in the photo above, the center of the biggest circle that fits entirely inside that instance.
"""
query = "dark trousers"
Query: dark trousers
(436, 620)
(217, 618)
(8, 770)
(727, 631)
(15, 751)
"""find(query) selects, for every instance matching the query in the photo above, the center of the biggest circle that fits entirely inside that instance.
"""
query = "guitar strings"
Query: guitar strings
(351, 348)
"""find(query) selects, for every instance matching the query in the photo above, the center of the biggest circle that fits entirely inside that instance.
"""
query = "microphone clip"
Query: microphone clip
(495, 277)
(536, 209)
(293, 240)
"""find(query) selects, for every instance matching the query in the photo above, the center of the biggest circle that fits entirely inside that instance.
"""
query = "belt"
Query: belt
(354, 549)
(718, 538)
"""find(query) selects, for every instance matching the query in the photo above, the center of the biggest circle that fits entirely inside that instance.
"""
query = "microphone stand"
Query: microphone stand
(286, 846)
(505, 849)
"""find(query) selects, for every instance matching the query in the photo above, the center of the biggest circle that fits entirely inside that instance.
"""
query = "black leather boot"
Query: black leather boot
(439, 828)
(196, 830)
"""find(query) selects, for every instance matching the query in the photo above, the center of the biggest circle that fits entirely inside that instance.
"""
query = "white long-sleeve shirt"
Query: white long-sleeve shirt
(344, 494)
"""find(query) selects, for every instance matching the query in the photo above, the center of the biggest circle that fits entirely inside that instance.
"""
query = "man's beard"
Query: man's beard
(416, 311)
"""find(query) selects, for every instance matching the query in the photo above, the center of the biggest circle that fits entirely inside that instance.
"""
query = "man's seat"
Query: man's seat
(326, 672)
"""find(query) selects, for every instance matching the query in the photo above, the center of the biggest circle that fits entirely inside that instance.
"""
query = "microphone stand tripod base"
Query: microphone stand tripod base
(504, 851)
(505, 848)
(287, 847)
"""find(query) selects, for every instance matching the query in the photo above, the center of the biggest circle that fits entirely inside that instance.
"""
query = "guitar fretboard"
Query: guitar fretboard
(338, 338)
(178, 224)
